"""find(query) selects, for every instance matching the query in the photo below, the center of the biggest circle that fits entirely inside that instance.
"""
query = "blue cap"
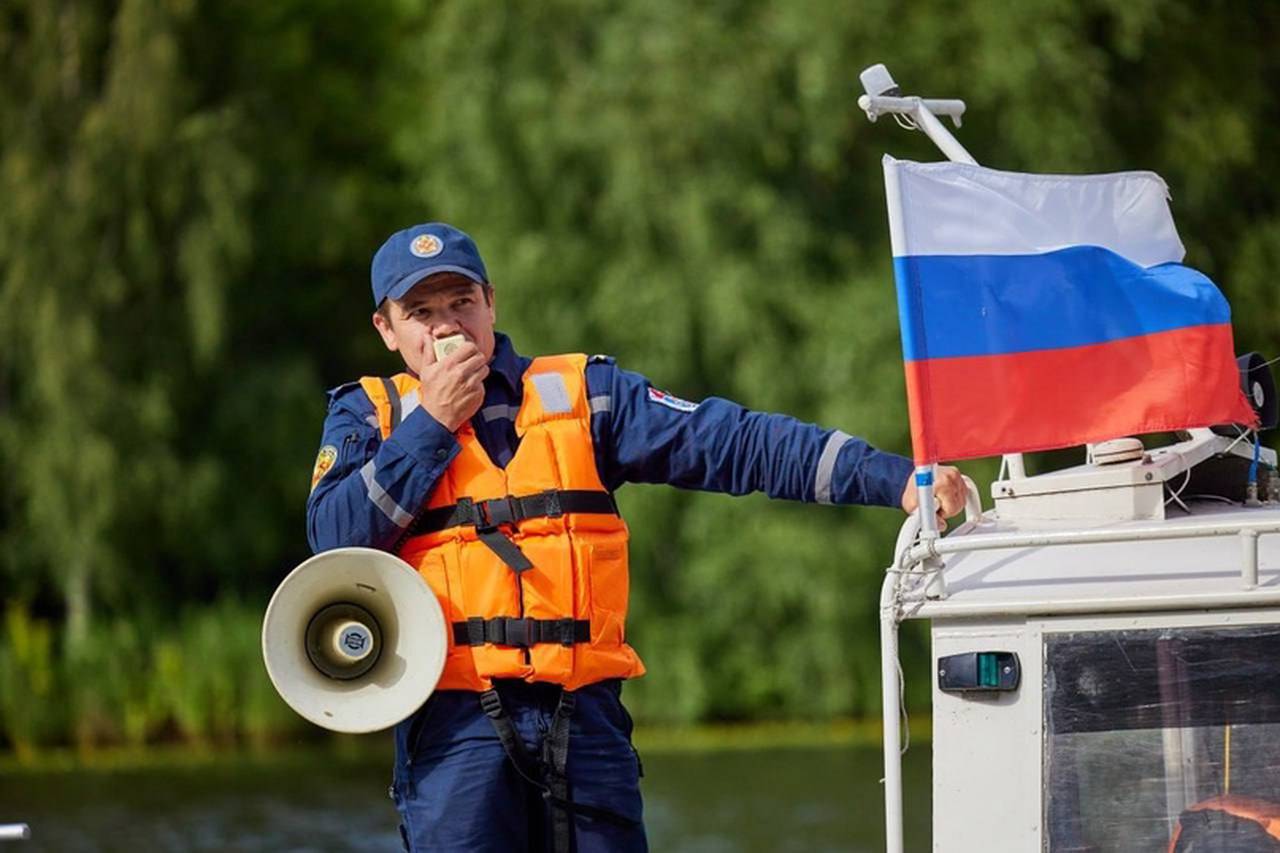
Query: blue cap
(411, 255)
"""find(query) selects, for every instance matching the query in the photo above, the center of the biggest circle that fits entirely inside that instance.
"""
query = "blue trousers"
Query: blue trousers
(455, 788)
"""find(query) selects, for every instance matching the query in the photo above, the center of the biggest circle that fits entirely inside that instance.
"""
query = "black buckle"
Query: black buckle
(466, 512)
(521, 632)
(493, 513)
(552, 506)
(491, 703)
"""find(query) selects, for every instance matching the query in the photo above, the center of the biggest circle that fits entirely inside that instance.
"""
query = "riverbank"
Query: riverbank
(196, 678)
(705, 789)
(649, 740)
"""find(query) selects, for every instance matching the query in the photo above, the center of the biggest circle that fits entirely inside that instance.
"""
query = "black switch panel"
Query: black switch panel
(979, 671)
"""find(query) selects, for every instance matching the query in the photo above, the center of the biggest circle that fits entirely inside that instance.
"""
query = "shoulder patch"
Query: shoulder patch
(662, 398)
(324, 461)
(600, 359)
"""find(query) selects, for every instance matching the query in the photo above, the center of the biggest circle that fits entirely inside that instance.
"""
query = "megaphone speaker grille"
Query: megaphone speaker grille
(354, 640)
(344, 641)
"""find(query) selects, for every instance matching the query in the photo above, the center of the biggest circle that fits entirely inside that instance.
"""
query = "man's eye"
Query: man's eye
(462, 303)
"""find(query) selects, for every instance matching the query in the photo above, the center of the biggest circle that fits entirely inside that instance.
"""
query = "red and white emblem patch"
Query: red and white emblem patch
(662, 398)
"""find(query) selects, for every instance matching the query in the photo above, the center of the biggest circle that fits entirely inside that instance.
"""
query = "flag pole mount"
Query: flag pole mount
(927, 507)
(926, 504)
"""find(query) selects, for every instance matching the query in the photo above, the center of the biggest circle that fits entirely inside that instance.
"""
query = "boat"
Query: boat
(1105, 637)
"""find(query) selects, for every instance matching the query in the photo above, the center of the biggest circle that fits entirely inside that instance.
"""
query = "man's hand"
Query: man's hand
(453, 388)
(949, 492)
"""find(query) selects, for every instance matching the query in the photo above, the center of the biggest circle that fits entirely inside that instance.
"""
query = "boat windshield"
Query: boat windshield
(1163, 740)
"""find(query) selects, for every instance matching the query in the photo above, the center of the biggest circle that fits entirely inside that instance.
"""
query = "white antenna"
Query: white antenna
(883, 97)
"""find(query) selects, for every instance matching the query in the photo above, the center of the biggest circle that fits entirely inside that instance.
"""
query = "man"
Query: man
(492, 474)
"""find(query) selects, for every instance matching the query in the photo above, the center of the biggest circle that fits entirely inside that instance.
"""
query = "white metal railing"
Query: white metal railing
(14, 832)
(1248, 531)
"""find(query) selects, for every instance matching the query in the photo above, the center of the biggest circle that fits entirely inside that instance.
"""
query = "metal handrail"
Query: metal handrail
(14, 832)
(1248, 530)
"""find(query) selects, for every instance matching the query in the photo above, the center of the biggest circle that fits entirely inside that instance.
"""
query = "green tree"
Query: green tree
(181, 183)
(121, 231)
(690, 187)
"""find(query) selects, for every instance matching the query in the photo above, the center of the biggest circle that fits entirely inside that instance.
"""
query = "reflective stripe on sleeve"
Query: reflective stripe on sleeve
(827, 466)
(603, 403)
(408, 403)
(382, 500)
(394, 399)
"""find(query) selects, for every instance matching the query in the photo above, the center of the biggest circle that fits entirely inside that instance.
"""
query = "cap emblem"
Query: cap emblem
(426, 246)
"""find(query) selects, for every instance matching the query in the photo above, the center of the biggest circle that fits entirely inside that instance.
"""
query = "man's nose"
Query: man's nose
(445, 326)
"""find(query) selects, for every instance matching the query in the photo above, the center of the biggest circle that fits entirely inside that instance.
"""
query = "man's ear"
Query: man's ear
(383, 325)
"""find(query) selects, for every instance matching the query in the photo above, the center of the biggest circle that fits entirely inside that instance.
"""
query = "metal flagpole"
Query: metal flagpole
(884, 97)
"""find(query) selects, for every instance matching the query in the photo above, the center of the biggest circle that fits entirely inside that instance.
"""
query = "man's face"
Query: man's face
(437, 307)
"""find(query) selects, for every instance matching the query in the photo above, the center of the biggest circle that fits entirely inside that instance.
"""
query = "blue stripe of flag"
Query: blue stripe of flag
(969, 305)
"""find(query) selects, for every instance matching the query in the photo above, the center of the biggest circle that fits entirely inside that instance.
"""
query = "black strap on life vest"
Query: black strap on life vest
(512, 631)
(548, 774)
(487, 517)
(555, 757)
(393, 399)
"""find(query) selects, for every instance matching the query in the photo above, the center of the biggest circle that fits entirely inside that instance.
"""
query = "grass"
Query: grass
(194, 690)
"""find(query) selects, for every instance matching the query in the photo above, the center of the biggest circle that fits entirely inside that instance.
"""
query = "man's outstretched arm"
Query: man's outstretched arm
(644, 435)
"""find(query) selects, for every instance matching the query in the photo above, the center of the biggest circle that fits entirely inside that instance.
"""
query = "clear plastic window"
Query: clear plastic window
(1163, 740)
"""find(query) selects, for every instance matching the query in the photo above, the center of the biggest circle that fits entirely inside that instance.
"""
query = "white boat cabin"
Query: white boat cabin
(1106, 649)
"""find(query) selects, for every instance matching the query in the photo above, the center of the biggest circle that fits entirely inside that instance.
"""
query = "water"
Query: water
(811, 799)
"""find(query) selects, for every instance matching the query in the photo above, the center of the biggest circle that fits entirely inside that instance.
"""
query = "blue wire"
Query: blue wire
(1257, 452)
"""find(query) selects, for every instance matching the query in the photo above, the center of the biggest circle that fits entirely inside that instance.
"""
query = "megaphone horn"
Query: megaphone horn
(354, 640)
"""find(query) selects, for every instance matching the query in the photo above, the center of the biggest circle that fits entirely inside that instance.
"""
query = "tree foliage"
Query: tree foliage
(171, 212)
(192, 191)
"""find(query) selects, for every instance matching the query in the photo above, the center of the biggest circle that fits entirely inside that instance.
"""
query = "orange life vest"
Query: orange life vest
(1264, 813)
(529, 561)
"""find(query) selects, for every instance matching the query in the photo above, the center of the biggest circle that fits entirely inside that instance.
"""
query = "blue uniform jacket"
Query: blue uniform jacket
(641, 435)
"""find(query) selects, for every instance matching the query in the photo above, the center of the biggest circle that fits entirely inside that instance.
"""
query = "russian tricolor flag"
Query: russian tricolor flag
(1045, 311)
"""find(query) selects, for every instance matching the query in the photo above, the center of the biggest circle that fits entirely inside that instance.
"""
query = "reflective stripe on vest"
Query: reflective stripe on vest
(564, 615)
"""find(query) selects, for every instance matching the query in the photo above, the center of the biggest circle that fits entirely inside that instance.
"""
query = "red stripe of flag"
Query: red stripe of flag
(973, 406)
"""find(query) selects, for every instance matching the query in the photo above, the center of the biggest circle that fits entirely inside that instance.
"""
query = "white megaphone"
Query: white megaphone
(354, 640)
